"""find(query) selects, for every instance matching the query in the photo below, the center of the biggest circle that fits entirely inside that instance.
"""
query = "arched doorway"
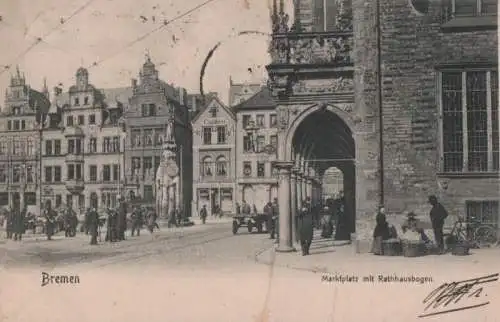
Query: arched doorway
(320, 139)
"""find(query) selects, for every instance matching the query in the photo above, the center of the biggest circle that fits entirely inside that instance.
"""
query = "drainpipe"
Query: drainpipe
(380, 104)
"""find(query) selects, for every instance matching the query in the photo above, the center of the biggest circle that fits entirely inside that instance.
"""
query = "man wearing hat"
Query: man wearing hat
(93, 225)
(50, 219)
(438, 214)
(122, 218)
(305, 229)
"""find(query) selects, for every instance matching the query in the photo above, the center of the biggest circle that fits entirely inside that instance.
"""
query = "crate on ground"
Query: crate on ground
(391, 247)
(412, 248)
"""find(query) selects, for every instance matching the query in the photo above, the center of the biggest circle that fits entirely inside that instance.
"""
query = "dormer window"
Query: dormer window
(77, 101)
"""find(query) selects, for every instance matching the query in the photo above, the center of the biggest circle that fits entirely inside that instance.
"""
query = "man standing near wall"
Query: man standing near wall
(438, 214)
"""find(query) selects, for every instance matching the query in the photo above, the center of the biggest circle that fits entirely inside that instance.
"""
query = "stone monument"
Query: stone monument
(167, 176)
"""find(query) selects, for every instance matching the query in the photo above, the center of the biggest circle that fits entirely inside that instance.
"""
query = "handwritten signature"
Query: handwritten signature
(452, 293)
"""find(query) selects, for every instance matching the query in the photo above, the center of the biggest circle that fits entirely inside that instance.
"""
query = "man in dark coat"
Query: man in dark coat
(305, 229)
(122, 219)
(137, 221)
(342, 228)
(93, 225)
(86, 227)
(10, 223)
(438, 214)
(112, 227)
(268, 211)
(326, 223)
(203, 214)
(276, 221)
(18, 223)
(50, 219)
(69, 222)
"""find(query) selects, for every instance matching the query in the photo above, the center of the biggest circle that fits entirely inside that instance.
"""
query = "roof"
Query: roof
(204, 108)
(110, 96)
(120, 94)
(261, 99)
(238, 89)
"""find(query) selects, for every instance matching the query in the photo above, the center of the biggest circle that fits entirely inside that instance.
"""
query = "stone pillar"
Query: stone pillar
(299, 189)
(285, 239)
(304, 187)
(293, 204)
(309, 187)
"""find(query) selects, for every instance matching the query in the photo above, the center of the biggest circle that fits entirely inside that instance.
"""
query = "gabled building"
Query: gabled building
(83, 144)
(20, 137)
(214, 170)
(152, 104)
(240, 92)
(256, 137)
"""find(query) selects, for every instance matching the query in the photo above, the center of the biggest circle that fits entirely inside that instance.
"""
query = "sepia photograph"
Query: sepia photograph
(249, 160)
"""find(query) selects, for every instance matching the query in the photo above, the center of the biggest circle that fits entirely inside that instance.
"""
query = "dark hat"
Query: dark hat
(411, 215)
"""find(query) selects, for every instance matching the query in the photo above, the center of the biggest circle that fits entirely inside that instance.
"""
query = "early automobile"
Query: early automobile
(251, 221)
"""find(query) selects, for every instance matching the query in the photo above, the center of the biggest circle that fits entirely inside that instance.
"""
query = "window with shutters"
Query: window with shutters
(469, 121)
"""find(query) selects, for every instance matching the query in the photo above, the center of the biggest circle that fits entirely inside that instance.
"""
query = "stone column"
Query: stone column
(284, 225)
(299, 189)
(303, 186)
(309, 187)
(293, 203)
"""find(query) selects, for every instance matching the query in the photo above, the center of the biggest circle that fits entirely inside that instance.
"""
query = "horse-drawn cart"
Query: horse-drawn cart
(250, 221)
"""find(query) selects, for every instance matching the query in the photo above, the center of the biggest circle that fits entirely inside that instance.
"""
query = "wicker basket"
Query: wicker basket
(461, 249)
(413, 248)
(391, 247)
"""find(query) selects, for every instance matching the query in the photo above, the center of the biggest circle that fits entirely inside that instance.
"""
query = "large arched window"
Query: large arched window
(206, 167)
(221, 166)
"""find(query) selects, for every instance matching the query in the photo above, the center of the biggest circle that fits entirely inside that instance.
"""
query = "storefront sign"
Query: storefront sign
(214, 121)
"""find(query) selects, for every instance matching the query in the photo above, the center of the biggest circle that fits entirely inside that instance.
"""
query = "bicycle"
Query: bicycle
(474, 232)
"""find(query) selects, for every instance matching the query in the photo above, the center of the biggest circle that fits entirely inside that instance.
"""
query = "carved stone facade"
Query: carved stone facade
(323, 71)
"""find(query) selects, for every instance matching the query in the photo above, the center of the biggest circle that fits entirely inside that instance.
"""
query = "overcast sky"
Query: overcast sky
(102, 31)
